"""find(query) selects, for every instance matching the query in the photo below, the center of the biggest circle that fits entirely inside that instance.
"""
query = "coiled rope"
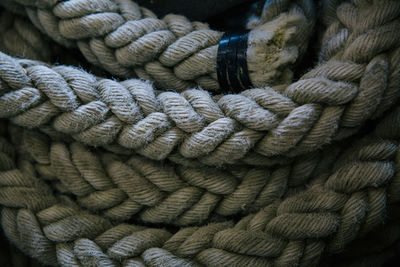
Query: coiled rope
(330, 102)
(177, 54)
(343, 204)
(261, 178)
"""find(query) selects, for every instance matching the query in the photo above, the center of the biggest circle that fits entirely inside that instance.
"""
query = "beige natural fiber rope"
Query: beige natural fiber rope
(337, 207)
(330, 102)
(252, 127)
(177, 54)
(23, 40)
(161, 193)
(98, 171)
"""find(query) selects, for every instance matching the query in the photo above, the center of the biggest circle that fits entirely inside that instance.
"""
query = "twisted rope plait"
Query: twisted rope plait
(101, 112)
(296, 230)
(324, 105)
(301, 211)
(160, 193)
(125, 39)
(223, 132)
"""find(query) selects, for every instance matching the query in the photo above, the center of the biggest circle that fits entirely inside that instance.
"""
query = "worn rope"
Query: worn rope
(161, 193)
(128, 40)
(22, 40)
(343, 205)
(330, 102)
(247, 127)
(82, 184)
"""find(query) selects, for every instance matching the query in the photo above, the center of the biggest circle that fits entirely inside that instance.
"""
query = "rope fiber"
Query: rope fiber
(157, 166)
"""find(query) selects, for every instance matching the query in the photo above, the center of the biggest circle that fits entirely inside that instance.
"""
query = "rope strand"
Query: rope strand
(103, 172)
(127, 40)
(279, 230)
(101, 112)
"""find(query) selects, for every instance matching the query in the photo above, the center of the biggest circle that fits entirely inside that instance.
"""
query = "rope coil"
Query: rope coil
(103, 172)
(125, 40)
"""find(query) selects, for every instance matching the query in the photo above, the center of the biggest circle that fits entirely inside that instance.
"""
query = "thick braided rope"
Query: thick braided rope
(161, 192)
(177, 54)
(339, 204)
(20, 38)
(330, 102)
(251, 127)
(339, 207)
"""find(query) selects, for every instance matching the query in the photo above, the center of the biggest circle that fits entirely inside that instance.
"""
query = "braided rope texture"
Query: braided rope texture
(101, 172)
(21, 39)
(258, 126)
(340, 204)
(177, 54)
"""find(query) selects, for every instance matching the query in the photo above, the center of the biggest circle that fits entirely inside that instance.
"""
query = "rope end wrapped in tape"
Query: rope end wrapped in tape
(232, 68)
(263, 55)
